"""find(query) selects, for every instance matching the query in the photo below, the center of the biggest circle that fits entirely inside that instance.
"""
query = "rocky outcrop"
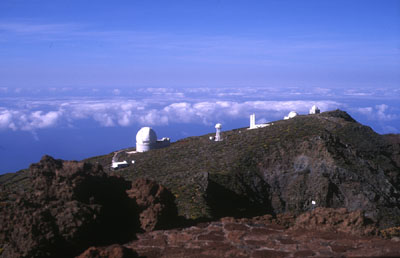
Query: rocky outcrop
(334, 169)
(335, 220)
(68, 207)
(156, 206)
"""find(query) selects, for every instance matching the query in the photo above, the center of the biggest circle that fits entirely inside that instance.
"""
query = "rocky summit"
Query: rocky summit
(314, 185)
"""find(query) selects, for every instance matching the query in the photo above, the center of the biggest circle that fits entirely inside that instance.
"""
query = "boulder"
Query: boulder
(157, 209)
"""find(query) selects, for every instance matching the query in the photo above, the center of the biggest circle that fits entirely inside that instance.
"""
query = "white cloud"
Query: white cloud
(104, 119)
(153, 117)
(26, 120)
(6, 120)
(163, 106)
(39, 120)
(378, 112)
(125, 112)
(381, 112)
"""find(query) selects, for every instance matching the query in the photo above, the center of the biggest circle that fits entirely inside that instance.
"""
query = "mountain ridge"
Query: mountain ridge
(328, 158)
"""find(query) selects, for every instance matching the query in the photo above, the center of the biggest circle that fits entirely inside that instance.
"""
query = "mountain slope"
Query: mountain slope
(328, 158)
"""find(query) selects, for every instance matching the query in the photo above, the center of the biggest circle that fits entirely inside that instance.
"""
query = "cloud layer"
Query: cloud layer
(164, 106)
(126, 112)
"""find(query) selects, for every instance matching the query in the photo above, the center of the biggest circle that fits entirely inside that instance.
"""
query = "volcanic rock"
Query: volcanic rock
(68, 207)
(335, 220)
(157, 209)
(114, 251)
(262, 237)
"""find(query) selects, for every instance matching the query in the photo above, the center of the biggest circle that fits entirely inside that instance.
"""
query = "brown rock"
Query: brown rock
(287, 241)
(69, 207)
(156, 205)
(212, 236)
(340, 248)
(269, 253)
(235, 226)
(304, 253)
(115, 251)
(250, 238)
(390, 232)
(335, 220)
(176, 238)
(235, 236)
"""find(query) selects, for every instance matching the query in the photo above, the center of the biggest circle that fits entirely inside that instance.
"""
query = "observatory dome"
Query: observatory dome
(146, 135)
(291, 115)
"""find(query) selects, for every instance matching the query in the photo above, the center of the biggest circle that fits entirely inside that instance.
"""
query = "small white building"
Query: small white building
(146, 139)
(117, 165)
(314, 110)
(291, 115)
(252, 121)
(253, 124)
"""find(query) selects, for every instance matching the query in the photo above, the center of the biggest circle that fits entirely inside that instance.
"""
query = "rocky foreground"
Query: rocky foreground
(70, 207)
(320, 233)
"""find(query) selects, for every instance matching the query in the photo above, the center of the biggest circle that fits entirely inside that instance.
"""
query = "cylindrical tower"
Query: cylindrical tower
(218, 132)
(252, 121)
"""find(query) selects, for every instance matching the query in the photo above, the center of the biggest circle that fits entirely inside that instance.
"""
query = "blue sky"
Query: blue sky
(79, 78)
(199, 43)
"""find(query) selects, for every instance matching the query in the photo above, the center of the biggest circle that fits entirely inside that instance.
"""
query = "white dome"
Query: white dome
(218, 126)
(292, 114)
(146, 135)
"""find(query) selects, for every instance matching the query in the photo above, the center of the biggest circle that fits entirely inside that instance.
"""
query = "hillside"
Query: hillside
(328, 158)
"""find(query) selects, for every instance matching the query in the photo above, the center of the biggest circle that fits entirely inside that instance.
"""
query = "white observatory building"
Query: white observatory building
(252, 121)
(253, 124)
(146, 139)
(218, 137)
(291, 115)
(314, 110)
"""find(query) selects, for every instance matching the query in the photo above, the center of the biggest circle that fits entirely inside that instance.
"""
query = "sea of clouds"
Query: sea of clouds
(33, 115)
(165, 106)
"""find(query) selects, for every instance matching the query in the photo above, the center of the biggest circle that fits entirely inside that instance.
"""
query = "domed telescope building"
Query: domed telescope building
(146, 139)
(291, 115)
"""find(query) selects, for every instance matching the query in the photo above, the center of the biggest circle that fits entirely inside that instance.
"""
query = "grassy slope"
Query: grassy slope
(180, 166)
